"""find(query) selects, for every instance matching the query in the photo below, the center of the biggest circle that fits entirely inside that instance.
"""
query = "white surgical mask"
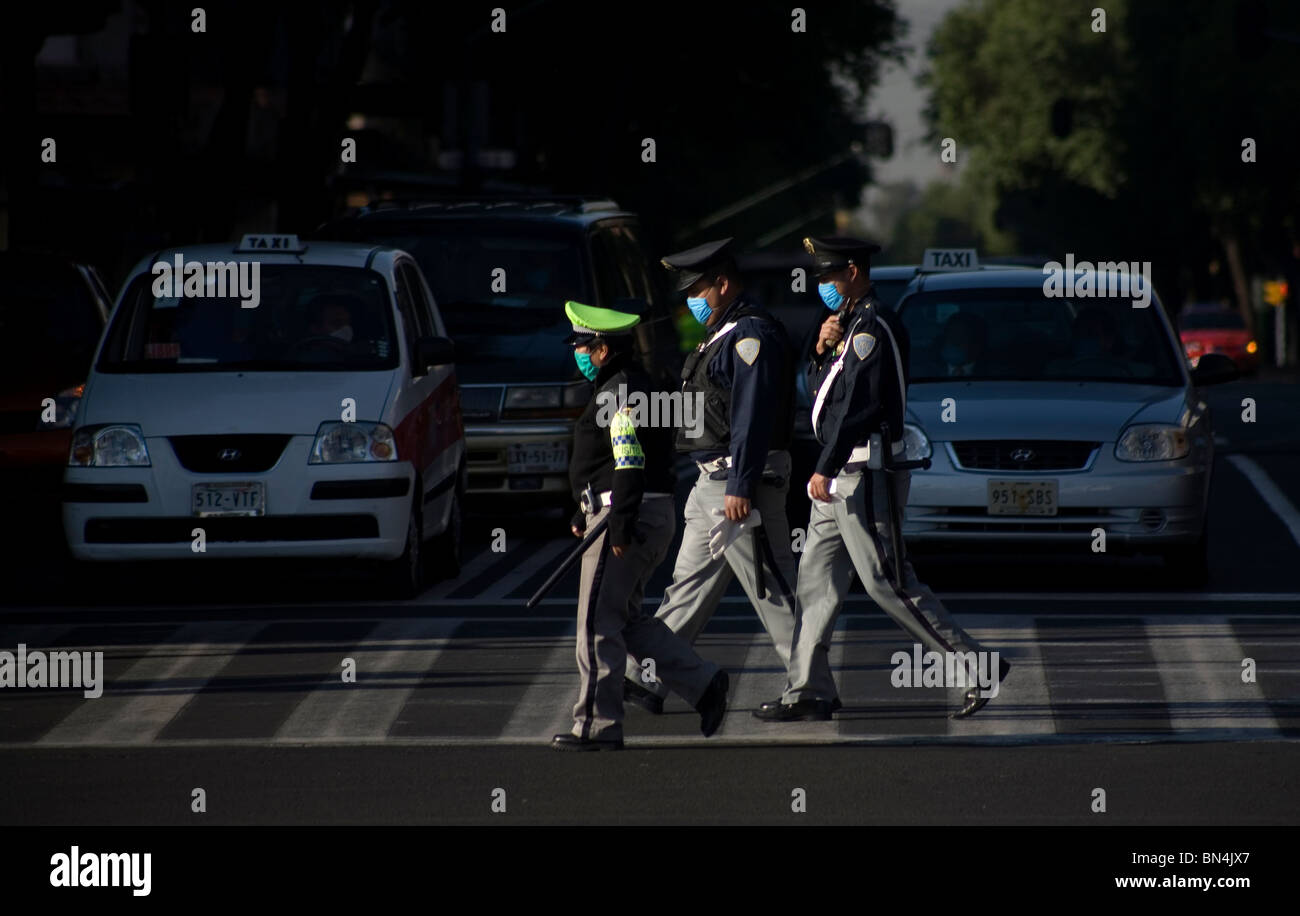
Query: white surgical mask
(344, 333)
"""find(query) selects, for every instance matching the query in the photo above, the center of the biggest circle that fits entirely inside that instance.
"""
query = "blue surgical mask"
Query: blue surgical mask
(954, 355)
(830, 295)
(699, 307)
(586, 366)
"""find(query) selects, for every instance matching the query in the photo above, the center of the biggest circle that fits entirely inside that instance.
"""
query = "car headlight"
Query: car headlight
(916, 443)
(532, 398)
(350, 443)
(65, 409)
(112, 445)
(1152, 442)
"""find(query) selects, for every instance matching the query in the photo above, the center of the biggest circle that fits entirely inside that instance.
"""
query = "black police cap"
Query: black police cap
(694, 263)
(838, 252)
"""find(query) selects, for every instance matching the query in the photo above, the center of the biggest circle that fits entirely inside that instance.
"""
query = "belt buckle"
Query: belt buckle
(587, 501)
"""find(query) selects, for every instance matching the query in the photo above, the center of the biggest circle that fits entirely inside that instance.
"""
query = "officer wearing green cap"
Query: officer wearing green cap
(622, 470)
(858, 376)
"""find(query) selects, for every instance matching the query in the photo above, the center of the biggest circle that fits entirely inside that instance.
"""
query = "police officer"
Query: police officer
(622, 470)
(858, 375)
(743, 375)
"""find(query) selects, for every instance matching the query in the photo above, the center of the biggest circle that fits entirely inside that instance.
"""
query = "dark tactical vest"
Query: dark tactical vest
(717, 399)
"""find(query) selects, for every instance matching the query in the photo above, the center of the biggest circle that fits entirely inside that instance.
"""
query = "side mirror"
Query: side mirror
(1214, 369)
(435, 351)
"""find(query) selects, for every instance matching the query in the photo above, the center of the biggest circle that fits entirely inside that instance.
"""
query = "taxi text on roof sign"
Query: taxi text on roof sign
(259, 242)
(949, 259)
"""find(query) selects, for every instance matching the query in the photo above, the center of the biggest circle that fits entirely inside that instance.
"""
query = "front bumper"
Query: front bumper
(359, 511)
(487, 445)
(1140, 505)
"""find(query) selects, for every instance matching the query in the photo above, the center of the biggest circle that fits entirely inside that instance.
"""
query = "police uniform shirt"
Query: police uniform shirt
(611, 452)
(866, 390)
(753, 362)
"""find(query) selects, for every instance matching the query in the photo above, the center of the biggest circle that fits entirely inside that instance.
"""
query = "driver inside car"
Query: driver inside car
(330, 316)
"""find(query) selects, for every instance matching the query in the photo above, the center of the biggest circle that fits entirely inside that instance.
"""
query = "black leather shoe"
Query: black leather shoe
(771, 705)
(638, 696)
(568, 742)
(974, 701)
(803, 710)
(713, 705)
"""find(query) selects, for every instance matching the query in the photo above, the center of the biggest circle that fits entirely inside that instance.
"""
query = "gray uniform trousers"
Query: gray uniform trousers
(612, 623)
(854, 534)
(699, 581)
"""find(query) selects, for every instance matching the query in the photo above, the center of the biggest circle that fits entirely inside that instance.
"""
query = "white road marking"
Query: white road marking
(546, 708)
(172, 674)
(1200, 667)
(522, 572)
(1023, 705)
(1269, 492)
(472, 567)
(391, 662)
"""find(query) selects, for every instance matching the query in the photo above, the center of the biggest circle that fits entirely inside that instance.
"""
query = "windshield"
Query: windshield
(310, 318)
(501, 288)
(1021, 334)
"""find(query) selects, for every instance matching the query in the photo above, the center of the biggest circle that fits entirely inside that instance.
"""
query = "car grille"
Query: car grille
(267, 528)
(480, 402)
(204, 454)
(1009, 454)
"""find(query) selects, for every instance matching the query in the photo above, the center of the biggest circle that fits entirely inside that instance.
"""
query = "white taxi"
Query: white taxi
(272, 399)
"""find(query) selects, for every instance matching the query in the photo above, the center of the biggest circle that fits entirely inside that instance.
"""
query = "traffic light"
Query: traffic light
(1275, 291)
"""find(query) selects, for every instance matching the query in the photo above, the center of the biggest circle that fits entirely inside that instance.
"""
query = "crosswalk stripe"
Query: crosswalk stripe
(390, 663)
(546, 708)
(168, 677)
(521, 573)
(752, 685)
(1200, 667)
(470, 568)
(1023, 705)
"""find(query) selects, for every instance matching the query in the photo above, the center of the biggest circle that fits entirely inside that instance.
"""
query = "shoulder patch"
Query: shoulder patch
(863, 344)
(747, 349)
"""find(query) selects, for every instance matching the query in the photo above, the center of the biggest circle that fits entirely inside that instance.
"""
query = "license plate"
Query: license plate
(537, 458)
(1022, 497)
(217, 499)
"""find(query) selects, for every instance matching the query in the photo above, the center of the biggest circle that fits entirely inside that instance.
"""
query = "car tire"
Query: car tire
(403, 577)
(444, 550)
(1188, 564)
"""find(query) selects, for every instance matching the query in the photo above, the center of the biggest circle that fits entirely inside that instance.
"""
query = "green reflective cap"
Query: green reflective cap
(589, 321)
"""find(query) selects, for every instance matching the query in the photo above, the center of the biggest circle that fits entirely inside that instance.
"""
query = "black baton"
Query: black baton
(596, 531)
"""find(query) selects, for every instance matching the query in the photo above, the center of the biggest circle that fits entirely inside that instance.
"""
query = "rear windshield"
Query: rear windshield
(1022, 334)
(309, 317)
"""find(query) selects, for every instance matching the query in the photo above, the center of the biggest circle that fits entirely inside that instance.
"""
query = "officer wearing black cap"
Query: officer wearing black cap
(858, 377)
(742, 374)
(622, 470)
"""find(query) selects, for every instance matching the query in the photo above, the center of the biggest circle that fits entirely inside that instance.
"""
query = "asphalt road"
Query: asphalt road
(230, 681)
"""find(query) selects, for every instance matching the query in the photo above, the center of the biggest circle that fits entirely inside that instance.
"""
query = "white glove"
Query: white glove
(724, 532)
(830, 488)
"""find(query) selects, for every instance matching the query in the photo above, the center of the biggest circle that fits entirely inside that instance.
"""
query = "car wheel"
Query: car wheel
(404, 577)
(1188, 564)
(444, 550)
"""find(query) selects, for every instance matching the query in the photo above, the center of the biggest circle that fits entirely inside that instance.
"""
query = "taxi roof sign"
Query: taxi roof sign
(937, 259)
(270, 242)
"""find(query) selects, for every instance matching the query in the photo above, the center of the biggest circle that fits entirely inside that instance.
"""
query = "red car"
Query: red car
(1216, 330)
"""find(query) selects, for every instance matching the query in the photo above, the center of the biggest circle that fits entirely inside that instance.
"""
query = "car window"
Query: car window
(1201, 321)
(310, 317)
(611, 282)
(1022, 334)
(419, 301)
(406, 308)
(631, 262)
